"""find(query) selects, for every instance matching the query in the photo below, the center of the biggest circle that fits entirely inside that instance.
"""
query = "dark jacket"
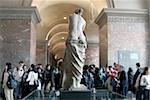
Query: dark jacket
(130, 80)
(123, 83)
(123, 79)
(138, 72)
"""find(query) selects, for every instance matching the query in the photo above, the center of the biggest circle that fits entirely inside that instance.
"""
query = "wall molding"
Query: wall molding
(108, 12)
(127, 19)
(20, 13)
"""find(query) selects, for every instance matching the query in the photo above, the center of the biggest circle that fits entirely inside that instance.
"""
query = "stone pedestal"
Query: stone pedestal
(124, 37)
(18, 35)
(41, 51)
(74, 95)
(92, 54)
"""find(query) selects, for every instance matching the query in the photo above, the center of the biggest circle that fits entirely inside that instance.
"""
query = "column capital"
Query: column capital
(20, 13)
(106, 12)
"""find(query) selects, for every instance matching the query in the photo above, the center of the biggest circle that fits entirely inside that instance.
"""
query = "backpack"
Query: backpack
(11, 83)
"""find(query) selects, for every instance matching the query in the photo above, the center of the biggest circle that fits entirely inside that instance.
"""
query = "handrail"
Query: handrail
(115, 93)
(118, 94)
(28, 95)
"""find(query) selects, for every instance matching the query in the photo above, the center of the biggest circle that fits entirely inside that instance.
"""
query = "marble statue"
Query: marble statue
(76, 45)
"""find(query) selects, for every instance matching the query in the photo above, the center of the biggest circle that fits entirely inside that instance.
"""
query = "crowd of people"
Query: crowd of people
(50, 77)
(116, 79)
(27, 79)
(93, 77)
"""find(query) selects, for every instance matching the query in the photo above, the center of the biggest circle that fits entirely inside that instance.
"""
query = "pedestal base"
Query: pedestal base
(80, 88)
(76, 95)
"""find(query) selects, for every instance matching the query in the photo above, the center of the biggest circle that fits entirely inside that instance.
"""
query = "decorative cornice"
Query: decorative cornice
(127, 19)
(106, 12)
(20, 13)
(101, 18)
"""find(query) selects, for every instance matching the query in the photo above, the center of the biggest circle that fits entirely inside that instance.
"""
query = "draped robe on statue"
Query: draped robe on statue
(74, 58)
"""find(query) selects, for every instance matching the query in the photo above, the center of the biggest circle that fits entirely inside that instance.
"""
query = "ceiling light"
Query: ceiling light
(62, 37)
(65, 17)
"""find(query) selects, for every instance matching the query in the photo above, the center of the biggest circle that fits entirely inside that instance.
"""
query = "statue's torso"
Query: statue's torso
(76, 27)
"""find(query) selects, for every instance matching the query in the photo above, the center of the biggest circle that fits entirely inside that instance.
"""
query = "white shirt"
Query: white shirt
(18, 74)
(32, 77)
(145, 81)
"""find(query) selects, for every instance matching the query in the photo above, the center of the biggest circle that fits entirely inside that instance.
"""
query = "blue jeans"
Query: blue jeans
(125, 90)
(146, 94)
(114, 84)
(18, 91)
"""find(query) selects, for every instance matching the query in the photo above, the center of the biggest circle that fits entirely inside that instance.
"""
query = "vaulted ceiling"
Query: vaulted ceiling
(54, 24)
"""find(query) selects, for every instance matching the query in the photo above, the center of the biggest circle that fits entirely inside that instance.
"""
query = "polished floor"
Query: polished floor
(76, 95)
(39, 95)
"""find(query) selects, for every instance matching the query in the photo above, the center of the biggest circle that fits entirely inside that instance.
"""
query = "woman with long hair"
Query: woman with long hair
(8, 92)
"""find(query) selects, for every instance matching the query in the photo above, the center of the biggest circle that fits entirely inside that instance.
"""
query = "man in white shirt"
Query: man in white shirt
(32, 79)
(18, 73)
(145, 83)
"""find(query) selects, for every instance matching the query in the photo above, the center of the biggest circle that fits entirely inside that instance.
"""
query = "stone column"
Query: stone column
(18, 35)
(42, 52)
(124, 37)
(148, 44)
(92, 54)
(51, 57)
